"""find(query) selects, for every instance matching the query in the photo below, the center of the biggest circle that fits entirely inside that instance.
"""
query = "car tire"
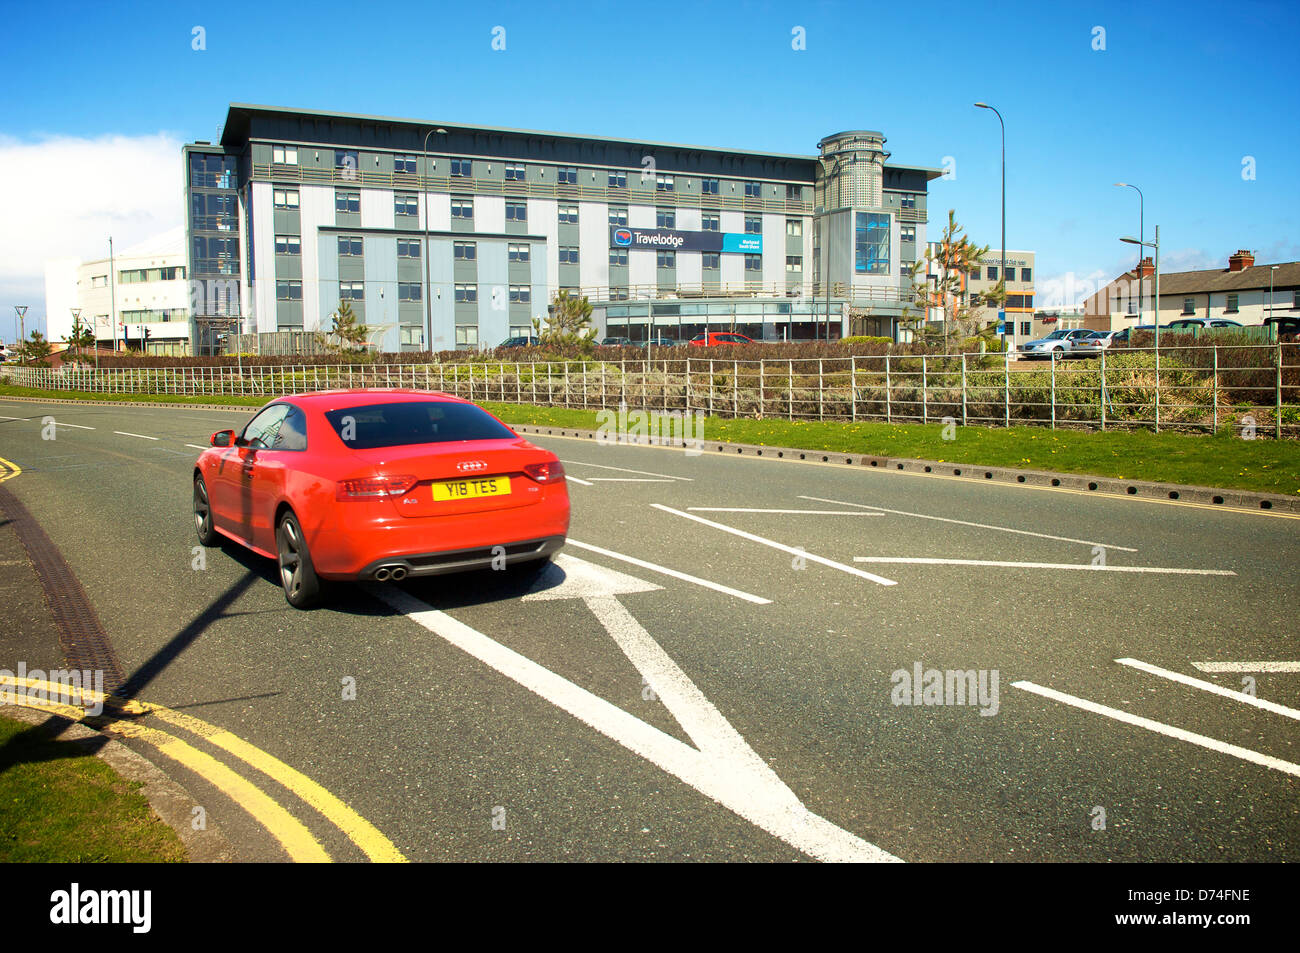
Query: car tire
(208, 535)
(302, 587)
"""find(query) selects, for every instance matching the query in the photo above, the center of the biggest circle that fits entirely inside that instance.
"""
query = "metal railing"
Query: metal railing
(1254, 389)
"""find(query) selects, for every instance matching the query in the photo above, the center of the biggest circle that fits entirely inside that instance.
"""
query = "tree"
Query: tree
(349, 333)
(953, 258)
(568, 324)
(81, 340)
(35, 350)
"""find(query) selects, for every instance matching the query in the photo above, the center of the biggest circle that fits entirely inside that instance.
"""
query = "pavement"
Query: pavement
(718, 667)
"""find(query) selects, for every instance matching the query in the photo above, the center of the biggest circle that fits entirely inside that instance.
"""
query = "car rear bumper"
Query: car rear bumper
(462, 560)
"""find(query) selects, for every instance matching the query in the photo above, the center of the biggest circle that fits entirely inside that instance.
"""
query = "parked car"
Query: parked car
(1123, 337)
(1058, 343)
(1286, 325)
(1182, 324)
(658, 342)
(716, 338)
(519, 342)
(1106, 337)
(376, 484)
(616, 342)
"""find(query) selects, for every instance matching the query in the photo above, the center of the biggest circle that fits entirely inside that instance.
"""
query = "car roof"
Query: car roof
(361, 396)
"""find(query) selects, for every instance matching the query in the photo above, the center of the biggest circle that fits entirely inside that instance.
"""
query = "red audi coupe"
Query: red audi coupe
(379, 485)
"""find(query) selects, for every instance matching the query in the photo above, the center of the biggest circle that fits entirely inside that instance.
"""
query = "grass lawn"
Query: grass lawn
(1224, 460)
(56, 808)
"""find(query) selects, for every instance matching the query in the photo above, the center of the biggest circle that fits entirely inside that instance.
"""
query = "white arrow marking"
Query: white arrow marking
(724, 767)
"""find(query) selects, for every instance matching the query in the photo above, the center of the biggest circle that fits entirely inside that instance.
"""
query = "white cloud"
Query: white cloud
(64, 196)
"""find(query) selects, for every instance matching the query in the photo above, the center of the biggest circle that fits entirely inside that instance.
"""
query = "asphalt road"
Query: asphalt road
(614, 710)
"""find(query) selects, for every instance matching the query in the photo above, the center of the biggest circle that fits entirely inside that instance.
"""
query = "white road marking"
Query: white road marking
(123, 433)
(1205, 686)
(724, 768)
(569, 577)
(3, 417)
(944, 519)
(781, 546)
(1223, 747)
(629, 480)
(601, 466)
(195, 446)
(1248, 666)
(685, 577)
(60, 423)
(743, 509)
(1006, 564)
(573, 479)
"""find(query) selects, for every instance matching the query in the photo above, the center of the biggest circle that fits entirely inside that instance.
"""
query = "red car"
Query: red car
(714, 338)
(379, 485)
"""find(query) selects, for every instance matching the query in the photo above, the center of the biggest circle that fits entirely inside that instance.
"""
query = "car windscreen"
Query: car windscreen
(405, 423)
(1056, 335)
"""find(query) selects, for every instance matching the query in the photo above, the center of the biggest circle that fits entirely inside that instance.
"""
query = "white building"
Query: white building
(144, 290)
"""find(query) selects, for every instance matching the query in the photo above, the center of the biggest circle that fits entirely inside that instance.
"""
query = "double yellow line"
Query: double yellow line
(8, 470)
(297, 841)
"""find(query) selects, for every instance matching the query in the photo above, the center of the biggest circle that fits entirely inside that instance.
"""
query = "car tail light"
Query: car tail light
(551, 472)
(372, 488)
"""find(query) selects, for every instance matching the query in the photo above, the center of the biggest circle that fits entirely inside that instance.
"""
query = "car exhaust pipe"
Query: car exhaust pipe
(381, 574)
(398, 573)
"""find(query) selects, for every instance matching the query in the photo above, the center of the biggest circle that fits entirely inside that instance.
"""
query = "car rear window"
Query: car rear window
(406, 423)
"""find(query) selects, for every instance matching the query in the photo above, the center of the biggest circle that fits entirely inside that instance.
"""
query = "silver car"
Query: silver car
(1058, 344)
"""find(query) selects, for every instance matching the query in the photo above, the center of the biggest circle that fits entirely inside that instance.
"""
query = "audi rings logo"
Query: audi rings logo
(623, 236)
(470, 466)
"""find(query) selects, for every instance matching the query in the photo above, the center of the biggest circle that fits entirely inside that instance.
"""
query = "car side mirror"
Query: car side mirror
(223, 438)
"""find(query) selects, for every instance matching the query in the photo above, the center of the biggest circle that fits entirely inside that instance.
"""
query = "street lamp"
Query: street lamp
(1154, 244)
(1002, 311)
(1141, 237)
(22, 327)
(428, 302)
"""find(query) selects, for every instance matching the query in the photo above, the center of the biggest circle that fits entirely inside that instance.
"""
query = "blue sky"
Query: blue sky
(1179, 97)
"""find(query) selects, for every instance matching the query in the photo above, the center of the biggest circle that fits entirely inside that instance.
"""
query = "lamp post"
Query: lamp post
(1141, 237)
(1154, 244)
(22, 325)
(428, 298)
(1271, 270)
(1002, 311)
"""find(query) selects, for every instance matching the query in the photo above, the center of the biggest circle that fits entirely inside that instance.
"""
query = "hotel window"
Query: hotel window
(344, 201)
(711, 261)
(408, 291)
(1189, 306)
(617, 180)
(1232, 304)
(753, 262)
(794, 263)
(516, 172)
(753, 190)
(666, 259)
(464, 251)
(794, 227)
(412, 335)
(665, 218)
(406, 205)
(518, 253)
(711, 223)
(793, 193)
(464, 208)
(516, 212)
(617, 216)
(408, 248)
(467, 336)
(993, 272)
(404, 165)
(709, 186)
(871, 243)
(568, 254)
(462, 168)
(618, 294)
(352, 290)
(284, 155)
(664, 183)
(907, 201)
(285, 198)
(618, 256)
(288, 244)
(1026, 328)
(350, 246)
(288, 290)
(907, 233)
(753, 225)
(568, 215)
(566, 175)
(520, 294)
(346, 161)
(466, 294)
(1026, 274)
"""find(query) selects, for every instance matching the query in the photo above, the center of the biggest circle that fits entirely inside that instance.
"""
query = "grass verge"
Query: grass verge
(59, 804)
(1223, 460)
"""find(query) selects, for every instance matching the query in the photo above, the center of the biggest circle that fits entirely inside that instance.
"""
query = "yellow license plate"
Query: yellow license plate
(471, 489)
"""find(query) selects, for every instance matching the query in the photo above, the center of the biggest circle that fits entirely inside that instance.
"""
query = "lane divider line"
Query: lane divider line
(685, 577)
(1008, 564)
(573, 479)
(1248, 666)
(745, 509)
(822, 560)
(1205, 686)
(1212, 744)
(631, 480)
(945, 519)
(602, 466)
(123, 433)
